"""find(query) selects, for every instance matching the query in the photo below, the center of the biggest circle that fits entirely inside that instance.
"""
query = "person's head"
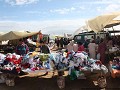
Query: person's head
(101, 40)
(79, 43)
(109, 38)
(21, 41)
(98, 37)
(42, 42)
(92, 37)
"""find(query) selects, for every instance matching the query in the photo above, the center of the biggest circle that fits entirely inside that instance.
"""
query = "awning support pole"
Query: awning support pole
(113, 30)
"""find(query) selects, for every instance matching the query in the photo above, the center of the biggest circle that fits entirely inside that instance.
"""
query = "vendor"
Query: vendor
(102, 49)
(44, 48)
(80, 46)
(22, 48)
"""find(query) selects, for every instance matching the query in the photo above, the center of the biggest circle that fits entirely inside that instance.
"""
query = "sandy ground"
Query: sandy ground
(39, 81)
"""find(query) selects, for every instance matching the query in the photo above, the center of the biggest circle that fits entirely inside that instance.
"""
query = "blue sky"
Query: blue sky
(51, 16)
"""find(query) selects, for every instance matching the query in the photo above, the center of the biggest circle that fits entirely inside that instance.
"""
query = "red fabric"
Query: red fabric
(14, 60)
(26, 65)
(81, 48)
(98, 62)
(68, 54)
(18, 69)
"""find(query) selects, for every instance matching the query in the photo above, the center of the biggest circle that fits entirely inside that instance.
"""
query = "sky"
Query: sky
(54, 17)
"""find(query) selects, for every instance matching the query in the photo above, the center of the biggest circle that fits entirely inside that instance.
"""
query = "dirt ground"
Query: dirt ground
(39, 81)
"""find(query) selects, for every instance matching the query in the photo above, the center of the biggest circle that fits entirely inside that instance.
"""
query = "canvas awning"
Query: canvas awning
(16, 35)
(100, 22)
(80, 30)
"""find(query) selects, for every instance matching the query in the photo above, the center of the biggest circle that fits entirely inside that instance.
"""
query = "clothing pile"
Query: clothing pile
(116, 63)
(77, 63)
(14, 64)
(10, 63)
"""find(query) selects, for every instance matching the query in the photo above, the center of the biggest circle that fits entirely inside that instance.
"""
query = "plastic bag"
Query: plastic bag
(73, 75)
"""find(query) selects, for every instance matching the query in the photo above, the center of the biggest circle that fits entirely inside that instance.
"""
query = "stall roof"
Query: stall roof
(16, 35)
(103, 21)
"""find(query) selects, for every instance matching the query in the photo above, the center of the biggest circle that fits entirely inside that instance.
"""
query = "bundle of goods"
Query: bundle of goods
(36, 61)
(2, 58)
(114, 67)
(10, 67)
(44, 57)
(81, 65)
(79, 62)
(61, 62)
(7, 78)
(11, 64)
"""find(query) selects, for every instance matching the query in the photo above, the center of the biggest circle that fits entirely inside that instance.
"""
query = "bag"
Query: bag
(61, 82)
(102, 82)
(10, 82)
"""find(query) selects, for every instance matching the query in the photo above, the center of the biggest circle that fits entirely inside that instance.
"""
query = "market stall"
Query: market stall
(11, 65)
(80, 66)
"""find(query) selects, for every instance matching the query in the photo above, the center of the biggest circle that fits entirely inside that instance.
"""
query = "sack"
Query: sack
(2, 78)
(61, 82)
(102, 82)
(10, 82)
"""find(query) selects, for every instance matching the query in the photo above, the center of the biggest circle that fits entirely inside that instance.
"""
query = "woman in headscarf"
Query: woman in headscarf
(92, 49)
(101, 50)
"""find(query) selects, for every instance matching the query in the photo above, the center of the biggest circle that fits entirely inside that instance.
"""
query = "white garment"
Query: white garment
(72, 47)
(92, 50)
(75, 47)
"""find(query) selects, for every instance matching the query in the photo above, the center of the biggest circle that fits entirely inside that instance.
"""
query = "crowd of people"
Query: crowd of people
(95, 47)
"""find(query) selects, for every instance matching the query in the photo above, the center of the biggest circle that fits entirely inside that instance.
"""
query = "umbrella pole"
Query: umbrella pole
(113, 30)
